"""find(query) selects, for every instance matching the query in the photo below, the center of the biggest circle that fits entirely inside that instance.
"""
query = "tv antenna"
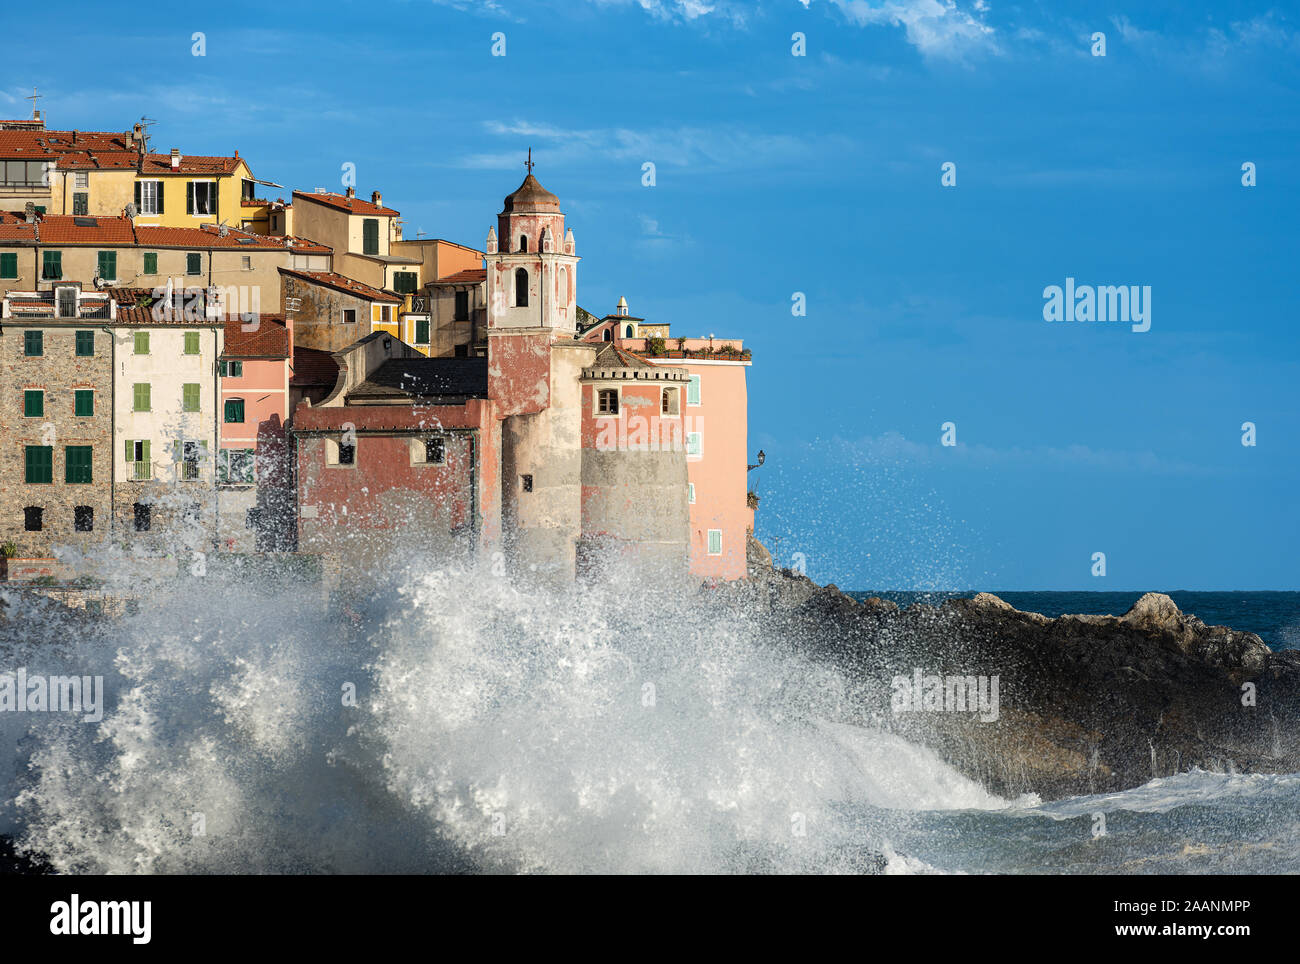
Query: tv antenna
(34, 97)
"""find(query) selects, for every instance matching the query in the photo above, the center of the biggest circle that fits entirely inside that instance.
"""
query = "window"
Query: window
(347, 454)
(39, 463)
(521, 288)
(85, 343)
(526, 483)
(140, 342)
(140, 397)
(349, 316)
(715, 542)
(462, 305)
(386, 314)
(246, 261)
(404, 282)
(139, 458)
(34, 343)
(34, 403)
(77, 464)
(693, 392)
(143, 516)
(33, 518)
(188, 453)
(234, 409)
(190, 397)
(65, 302)
(235, 467)
(246, 190)
(694, 444)
(201, 198)
(668, 405)
(150, 262)
(81, 180)
(83, 518)
(434, 451)
(191, 343)
(629, 332)
(25, 173)
(607, 401)
(83, 402)
(608, 334)
(149, 197)
(193, 263)
(338, 452)
(370, 236)
(108, 265)
(51, 265)
(232, 369)
(523, 243)
(422, 331)
(690, 492)
(80, 204)
(9, 265)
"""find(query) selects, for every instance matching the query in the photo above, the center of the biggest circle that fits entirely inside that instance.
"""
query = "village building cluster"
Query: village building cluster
(181, 358)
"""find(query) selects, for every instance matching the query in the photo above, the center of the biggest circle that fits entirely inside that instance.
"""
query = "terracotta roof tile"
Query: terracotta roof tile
(190, 164)
(66, 229)
(467, 277)
(332, 279)
(353, 205)
(270, 339)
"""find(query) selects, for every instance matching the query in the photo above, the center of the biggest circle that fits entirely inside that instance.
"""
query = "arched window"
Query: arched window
(564, 285)
(521, 288)
(628, 332)
(523, 243)
(609, 334)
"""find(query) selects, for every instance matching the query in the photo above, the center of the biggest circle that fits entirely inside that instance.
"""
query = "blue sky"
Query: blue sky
(820, 174)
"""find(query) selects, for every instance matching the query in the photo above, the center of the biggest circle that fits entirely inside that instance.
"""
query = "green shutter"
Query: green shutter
(234, 410)
(190, 397)
(142, 398)
(189, 197)
(9, 265)
(144, 452)
(77, 464)
(161, 185)
(80, 205)
(222, 369)
(108, 265)
(693, 392)
(137, 197)
(191, 343)
(84, 402)
(194, 264)
(34, 342)
(39, 463)
(421, 332)
(370, 236)
(130, 450)
(141, 342)
(52, 265)
(85, 343)
(150, 262)
(33, 404)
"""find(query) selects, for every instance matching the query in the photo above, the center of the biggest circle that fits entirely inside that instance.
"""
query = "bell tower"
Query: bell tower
(531, 265)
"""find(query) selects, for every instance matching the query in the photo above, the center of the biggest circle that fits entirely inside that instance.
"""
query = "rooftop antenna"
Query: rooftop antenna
(529, 163)
(146, 123)
(34, 97)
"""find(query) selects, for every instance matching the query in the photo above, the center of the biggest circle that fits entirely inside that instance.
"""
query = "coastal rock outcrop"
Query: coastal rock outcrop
(1086, 704)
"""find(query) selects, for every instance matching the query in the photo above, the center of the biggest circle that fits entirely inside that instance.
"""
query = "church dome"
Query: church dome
(532, 198)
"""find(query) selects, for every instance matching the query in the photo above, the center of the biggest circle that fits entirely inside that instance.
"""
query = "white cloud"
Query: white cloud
(937, 28)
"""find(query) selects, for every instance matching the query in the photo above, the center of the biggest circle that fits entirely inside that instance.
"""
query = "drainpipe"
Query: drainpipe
(216, 428)
(112, 430)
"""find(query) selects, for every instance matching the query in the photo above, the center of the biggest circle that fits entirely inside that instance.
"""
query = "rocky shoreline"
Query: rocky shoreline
(1088, 704)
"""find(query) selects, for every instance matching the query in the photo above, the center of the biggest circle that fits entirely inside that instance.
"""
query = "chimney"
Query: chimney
(74, 137)
(377, 199)
(176, 159)
(351, 192)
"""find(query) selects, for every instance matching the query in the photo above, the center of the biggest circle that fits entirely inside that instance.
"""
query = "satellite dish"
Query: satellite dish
(130, 210)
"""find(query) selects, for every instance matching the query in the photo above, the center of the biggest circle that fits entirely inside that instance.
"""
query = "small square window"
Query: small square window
(81, 179)
(526, 482)
(33, 518)
(83, 518)
(347, 454)
(143, 516)
(715, 542)
(349, 316)
(434, 451)
(607, 401)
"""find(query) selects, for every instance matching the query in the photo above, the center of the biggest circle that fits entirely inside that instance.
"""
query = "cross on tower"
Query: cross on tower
(528, 164)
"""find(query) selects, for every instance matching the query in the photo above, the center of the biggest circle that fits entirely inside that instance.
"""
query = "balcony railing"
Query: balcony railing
(189, 471)
(141, 471)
